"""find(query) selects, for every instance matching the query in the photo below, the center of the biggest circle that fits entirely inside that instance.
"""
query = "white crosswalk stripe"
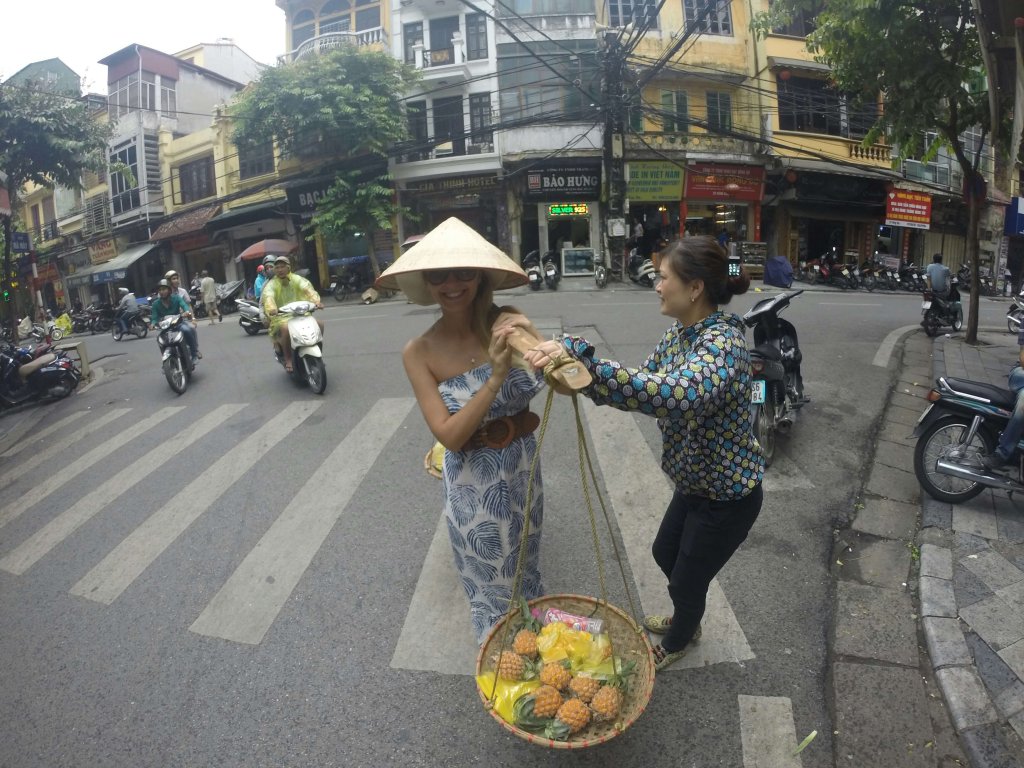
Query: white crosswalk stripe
(44, 488)
(767, 732)
(48, 453)
(62, 526)
(133, 555)
(36, 437)
(249, 602)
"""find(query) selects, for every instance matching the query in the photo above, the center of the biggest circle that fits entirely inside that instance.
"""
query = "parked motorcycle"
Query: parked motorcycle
(937, 312)
(250, 317)
(136, 324)
(1016, 314)
(552, 275)
(307, 344)
(776, 382)
(177, 357)
(531, 263)
(345, 284)
(198, 307)
(228, 295)
(49, 376)
(39, 331)
(960, 426)
(101, 317)
(640, 269)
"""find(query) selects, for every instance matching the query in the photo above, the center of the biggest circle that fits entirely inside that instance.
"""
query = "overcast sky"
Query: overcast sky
(81, 32)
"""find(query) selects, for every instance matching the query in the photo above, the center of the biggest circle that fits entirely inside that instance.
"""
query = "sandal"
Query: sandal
(659, 625)
(664, 659)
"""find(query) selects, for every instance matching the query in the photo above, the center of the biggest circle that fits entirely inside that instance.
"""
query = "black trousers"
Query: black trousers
(696, 539)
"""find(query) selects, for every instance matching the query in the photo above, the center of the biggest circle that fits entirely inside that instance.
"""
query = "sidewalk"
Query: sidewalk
(956, 579)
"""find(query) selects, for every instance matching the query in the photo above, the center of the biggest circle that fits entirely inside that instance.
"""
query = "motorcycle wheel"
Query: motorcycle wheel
(535, 286)
(937, 442)
(340, 292)
(252, 330)
(764, 429)
(56, 334)
(175, 374)
(1013, 320)
(647, 281)
(316, 374)
(958, 320)
(116, 332)
(141, 330)
(931, 324)
(601, 276)
(869, 282)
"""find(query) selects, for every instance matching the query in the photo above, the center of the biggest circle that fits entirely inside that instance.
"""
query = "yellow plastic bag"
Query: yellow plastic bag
(557, 641)
(433, 462)
(507, 694)
(64, 323)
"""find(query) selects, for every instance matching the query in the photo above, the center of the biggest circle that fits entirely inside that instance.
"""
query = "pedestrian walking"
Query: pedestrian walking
(475, 401)
(208, 293)
(696, 382)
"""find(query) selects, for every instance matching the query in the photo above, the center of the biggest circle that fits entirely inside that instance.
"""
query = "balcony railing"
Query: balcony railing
(330, 41)
(447, 149)
(46, 232)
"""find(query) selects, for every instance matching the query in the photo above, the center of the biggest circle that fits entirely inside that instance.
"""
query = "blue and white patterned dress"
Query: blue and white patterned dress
(485, 501)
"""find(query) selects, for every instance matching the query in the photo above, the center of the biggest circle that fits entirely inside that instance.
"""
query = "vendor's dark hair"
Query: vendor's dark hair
(702, 258)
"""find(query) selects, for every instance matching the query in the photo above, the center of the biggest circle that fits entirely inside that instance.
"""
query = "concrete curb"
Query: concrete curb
(976, 718)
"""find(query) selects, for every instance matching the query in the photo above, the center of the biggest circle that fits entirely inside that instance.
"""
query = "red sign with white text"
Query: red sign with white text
(714, 181)
(904, 208)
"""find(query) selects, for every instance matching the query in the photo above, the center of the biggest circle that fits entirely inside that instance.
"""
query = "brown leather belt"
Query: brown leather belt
(499, 432)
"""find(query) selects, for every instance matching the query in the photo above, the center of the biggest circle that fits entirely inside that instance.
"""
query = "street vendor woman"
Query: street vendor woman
(696, 382)
(475, 400)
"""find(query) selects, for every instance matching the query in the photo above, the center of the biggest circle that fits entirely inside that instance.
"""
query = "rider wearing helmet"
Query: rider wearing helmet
(175, 282)
(125, 309)
(266, 272)
(170, 303)
(286, 287)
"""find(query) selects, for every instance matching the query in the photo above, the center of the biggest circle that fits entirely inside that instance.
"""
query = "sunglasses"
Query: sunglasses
(440, 276)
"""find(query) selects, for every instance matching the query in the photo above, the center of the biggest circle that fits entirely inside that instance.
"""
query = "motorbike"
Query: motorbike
(50, 376)
(307, 344)
(345, 284)
(136, 324)
(178, 365)
(640, 269)
(552, 274)
(198, 307)
(1016, 314)
(960, 426)
(777, 384)
(228, 295)
(937, 312)
(101, 317)
(39, 331)
(531, 263)
(250, 316)
(80, 321)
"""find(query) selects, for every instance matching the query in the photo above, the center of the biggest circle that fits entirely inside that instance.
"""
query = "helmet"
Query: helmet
(268, 260)
(123, 290)
(259, 268)
(163, 284)
(169, 274)
(283, 258)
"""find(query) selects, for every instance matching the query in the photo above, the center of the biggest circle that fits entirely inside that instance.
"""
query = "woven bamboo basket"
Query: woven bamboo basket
(628, 644)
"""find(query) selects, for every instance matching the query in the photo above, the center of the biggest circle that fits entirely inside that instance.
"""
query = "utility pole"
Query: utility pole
(614, 102)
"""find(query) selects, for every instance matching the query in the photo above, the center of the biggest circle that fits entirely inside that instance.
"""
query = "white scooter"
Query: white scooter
(307, 345)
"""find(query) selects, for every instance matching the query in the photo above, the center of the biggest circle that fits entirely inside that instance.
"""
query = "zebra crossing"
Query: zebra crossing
(251, 598)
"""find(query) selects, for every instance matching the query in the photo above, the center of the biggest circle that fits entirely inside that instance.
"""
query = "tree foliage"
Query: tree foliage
(925, 60)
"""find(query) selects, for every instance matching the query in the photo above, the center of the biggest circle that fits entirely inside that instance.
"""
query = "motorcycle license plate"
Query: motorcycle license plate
(926, 305)
(757, 391)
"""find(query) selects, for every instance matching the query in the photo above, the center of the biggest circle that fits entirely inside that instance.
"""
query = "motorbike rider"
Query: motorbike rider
(126, 308)
(284, 288)
(937, 277)
(170, 303)
(175, 282)
(266, 270)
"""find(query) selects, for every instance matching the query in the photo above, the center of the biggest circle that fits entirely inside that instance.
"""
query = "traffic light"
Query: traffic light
(7, 295)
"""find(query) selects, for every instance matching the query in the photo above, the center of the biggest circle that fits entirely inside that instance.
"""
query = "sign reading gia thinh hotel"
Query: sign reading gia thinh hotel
(904, 208)
(564, 180)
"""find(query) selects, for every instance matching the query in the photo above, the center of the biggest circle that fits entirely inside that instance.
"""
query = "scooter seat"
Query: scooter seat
(999, 396)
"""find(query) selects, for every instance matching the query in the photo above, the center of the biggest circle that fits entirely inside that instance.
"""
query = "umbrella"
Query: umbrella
(266, 247)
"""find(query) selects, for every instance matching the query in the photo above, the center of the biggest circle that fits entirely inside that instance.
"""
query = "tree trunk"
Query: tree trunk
(973, 217)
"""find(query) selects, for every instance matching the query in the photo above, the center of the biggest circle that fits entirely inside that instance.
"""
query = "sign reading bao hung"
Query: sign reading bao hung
(567, 180)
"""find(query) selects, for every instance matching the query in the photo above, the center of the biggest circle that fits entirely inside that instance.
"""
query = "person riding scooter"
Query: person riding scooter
(169, 303)
(286, 287)
(126, 308)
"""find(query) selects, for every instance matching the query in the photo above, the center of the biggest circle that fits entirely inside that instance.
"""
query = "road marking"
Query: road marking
(35, 437)
(69, 472)
(767, 732)
(431, 639)
(888, 343)
(57, 530)
(46, 454)
(108, 579)
(246, 606)
(639, 493)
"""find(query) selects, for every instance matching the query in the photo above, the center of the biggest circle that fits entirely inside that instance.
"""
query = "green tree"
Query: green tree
(925, 59)
(46, 138)
(344, 106)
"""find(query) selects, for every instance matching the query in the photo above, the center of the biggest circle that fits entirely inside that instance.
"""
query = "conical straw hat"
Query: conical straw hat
(452, 244)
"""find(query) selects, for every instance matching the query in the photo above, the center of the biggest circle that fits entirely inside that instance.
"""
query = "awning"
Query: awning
(109, 271)
(185, 223)
(247, 214)
(824, 166)
(798, 65)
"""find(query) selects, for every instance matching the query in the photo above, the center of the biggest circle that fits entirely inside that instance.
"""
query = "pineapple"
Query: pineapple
(533, 711)
(556, 674)
(511, 666)
(584, 687)
(608, 701)
(525, 642)
(572, 717)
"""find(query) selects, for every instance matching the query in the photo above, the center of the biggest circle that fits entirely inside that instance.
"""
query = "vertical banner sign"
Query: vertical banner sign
(904, 208)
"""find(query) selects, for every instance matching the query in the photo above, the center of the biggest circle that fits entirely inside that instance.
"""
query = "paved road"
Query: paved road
(253, 575)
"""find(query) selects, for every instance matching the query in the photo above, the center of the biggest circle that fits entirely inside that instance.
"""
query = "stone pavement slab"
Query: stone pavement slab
(893, 483)
(936, 561)
(887, 517)
(946, 644)
(875, 623)
(994, 622)
(968, 701)
(937, 597)
(896, 455)
(992, 568)
(906, 416)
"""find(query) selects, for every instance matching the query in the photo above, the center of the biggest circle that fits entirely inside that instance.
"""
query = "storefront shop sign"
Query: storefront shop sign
(190, 242)
(303, 199)
(1013, 224)
(454, 184)
(569, 209)
(712, 181)
(904, 208)
(102, 250)
(564, 181)
(655, 182)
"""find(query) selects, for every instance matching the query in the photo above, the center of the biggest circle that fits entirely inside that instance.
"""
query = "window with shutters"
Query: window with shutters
(197, 180)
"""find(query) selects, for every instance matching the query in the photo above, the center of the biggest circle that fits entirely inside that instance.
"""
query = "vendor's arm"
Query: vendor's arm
(453, 430)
